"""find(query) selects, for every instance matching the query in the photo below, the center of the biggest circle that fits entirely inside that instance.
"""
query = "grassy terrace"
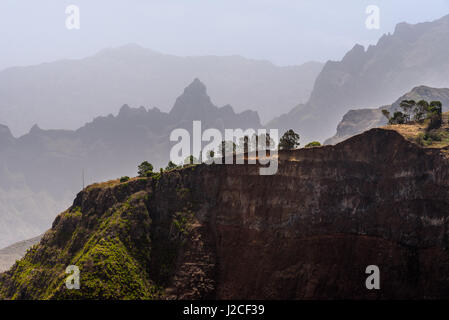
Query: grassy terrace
(417, 132)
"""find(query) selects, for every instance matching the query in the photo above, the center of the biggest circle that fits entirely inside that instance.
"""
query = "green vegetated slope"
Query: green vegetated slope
(109, 234)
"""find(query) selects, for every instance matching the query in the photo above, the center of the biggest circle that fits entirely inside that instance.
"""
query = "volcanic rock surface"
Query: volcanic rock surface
(226, 232)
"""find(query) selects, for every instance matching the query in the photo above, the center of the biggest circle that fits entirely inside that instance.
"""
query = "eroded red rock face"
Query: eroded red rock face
(310, 231)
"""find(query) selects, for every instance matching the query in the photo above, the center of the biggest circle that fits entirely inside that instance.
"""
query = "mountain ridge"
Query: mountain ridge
(225, 232)
(413, 55)
(68, 93)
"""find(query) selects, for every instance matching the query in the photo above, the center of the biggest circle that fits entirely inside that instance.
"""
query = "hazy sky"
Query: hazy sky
(282, 31)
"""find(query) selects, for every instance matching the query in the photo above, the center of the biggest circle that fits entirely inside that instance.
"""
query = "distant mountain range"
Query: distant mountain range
(360, 120)
(42, 170)
(66, 94)
(413, 55)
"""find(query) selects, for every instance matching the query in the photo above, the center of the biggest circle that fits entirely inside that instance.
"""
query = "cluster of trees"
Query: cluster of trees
(247, 144)
(417, 111)
(411, 111)
(145, 169)
(288, 141)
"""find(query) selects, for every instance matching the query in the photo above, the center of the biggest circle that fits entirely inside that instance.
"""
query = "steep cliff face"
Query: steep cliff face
(224, 231)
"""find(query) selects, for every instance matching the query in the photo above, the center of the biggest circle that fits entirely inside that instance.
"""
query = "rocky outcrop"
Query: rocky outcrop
(360, 120)
(225, 232)
(195, 104)
(355, 122)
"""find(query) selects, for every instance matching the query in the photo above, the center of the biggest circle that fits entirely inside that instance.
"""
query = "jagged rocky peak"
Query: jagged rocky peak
(411, 32)
(193, 101)
(35, 129)
(355, 58)
(195, 104)
(227, 108)
(127, 111)
(377, 76)
(402, 28)
(196, 87)
(357, 51)
(4, 131)
(124, 110)
(250, 116)
(6, 136)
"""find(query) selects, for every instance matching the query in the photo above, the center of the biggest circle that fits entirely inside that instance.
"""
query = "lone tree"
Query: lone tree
(145, 169)
(289, 141)
(190, 160)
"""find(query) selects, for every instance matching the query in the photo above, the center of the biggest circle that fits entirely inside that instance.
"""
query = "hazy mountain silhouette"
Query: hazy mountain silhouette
(14, 252)
(42, 170)
(413, 55)
(68, 93)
